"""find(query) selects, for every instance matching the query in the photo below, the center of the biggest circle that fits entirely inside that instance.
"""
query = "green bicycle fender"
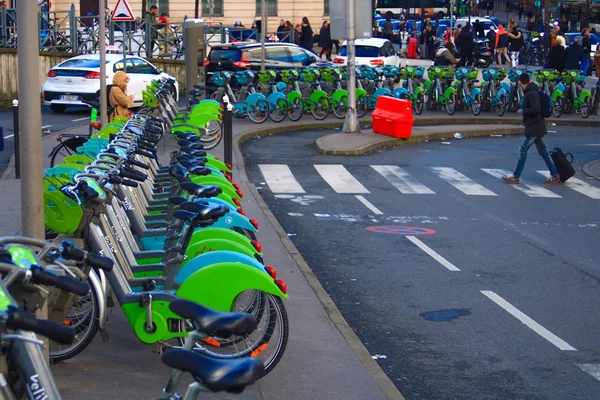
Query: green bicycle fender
(78, 159)
(317, 95)
(218, 286)
(338, 95)
(226, 189)
(293, 95)
(208, 245)
(418, 91)
(360, 92)
(226, 196)
(221, 233)
(209, 109)
(585, 95)
(201, 120)
(557, 94)
(216, 163)
(427, 85)
(449, 91)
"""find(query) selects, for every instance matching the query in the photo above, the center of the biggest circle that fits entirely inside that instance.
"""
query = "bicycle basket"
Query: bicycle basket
(308, 75)
(242, 78)
(61, 213)
(218, 79)
(368, 72)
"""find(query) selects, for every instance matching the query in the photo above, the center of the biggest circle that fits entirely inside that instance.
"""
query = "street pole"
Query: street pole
(263, 30)
(547, 24)
(102, 41)
(30, 121)
(15, 104)
(125, 46)
(351, 122)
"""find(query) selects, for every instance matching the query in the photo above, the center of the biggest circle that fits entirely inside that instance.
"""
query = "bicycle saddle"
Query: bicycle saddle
(177, 170)
(201, 191)
(199, 170)
(214, 323)
(194, 100)
(205, 212)
(230, 375)
(184, 215)
(195, 161)
(192, 144)
(189, 136)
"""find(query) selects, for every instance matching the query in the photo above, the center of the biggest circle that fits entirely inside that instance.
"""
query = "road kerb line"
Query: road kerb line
(537, 328)
(368, 204)
(433, 254)
(80, 119)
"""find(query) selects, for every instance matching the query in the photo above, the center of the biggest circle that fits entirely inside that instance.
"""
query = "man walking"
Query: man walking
(535, 129)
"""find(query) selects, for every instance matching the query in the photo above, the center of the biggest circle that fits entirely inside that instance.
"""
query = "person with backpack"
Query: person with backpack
(536, 107)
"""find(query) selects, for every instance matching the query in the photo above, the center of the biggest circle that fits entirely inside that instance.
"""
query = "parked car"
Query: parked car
(594, 38)
(240, 56)
(374, 51)
(78, 78)
(486, 22)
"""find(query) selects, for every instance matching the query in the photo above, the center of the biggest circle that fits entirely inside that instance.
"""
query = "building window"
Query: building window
(325, 7)
(271, 7)
(163, 6)
(217, 8)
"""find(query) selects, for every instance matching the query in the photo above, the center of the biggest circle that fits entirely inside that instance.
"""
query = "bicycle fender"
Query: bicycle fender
(215, 257)
(212, 232)
(561, 88)
(218, 164)
(293, 95)
(225, 186)
(217, 286)
(253, 98)
(501, 92)
(234, 219)
(209, 101)
(275, 97)
(400, 91)
(200, 179)
(506, 87)
(428, 85)
(474, 93)
(557, 94)
(449, 91)
(338, 95)
(585, 95)
(418, 91)
(214, 244)
(96, 286)
(360, 92)
(382, 92)
(317, 95)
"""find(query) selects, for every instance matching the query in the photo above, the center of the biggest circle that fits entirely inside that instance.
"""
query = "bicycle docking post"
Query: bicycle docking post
(15, 104)
(228, 133)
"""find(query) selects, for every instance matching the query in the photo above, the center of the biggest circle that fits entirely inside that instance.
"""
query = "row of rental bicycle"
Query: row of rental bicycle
(319, 91)
(170, 244)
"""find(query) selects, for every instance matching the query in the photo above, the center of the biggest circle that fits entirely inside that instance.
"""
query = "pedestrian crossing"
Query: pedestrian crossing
(280, 179)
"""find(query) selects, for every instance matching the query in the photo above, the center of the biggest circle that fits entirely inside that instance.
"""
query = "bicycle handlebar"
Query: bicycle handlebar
(18, 319)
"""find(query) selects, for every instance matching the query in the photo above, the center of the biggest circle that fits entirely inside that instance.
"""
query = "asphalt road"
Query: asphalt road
(51, 122)
(495, 297)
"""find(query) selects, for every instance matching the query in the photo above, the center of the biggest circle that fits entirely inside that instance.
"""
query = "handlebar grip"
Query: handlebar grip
(50, 329)
(137, 163)
(42, 277)
(71, 252)
(133, 171)
(129, 183)
(145, 153)
(130, 175)
(100, 262)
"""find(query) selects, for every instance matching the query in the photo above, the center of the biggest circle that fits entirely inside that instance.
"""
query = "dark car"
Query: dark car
(240, 56)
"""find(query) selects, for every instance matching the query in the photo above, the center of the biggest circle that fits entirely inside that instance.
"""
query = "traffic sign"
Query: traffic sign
(122, 12)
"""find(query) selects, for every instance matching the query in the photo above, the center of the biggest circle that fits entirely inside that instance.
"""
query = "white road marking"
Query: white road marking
(8, 137)
(46, 126)
(537, 328)
(340, 180)
(592, 369)
(80, 119)
(401, 180)
(461, 182)
(433, 254)
(551, 131)
(280, 179)
(593, 144)
(529, 190)
(579, 186)
(369, 205)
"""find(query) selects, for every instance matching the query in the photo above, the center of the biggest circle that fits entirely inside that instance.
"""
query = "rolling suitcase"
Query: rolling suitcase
(564, 166)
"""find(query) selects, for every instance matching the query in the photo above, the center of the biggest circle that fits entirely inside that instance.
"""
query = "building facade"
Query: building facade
(226, 12)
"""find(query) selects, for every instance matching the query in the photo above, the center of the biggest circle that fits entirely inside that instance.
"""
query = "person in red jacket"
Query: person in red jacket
(502, 41)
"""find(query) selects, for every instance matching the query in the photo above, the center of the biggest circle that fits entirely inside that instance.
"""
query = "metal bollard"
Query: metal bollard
(15, 104)
(228, 132)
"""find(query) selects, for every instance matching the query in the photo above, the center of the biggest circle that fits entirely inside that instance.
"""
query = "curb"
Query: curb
(587, 169)
(373, 369)
(414, 139)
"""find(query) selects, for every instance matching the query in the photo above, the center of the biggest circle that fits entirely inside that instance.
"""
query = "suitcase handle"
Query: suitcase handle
(572, 158)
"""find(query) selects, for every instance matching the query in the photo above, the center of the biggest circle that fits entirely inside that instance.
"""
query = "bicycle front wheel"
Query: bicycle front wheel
(451, 104)
(362, 106)
(320, 109)
(476, 106)
(295, 109)
(586, 107)
(260, 112)
(557, 107)
(502, 105)
(341, 108)
(65, 149)
(278, 111)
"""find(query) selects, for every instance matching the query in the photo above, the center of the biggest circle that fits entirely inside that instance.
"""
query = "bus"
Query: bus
(422, 8)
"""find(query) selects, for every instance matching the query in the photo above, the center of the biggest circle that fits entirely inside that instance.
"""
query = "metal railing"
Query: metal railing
(64, 31)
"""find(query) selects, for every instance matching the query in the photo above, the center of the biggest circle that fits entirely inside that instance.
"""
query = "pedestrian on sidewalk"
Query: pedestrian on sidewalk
(325, 41)
(501, 46)
(118, 97)
(535, 129)
(586, 47)
(516, 44)
(573, 56)
(307, 37)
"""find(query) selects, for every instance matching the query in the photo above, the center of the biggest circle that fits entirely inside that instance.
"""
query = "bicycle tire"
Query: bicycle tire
(419, 103)
(69, 146)
(278, 111)
(587, 106)
(502, 105)
(77, 347)
(212, 139)
(486, 104)
(476, 106)
(260, 112)
(451, 104)
(320, 110)
(557, 107)
(277, 311)
(362, 106)
(340, 109)
(87, 47)
(296, 109)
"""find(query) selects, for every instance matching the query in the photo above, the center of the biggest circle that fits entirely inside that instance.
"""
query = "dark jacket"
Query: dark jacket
(556, 58)
(388, 28)
(478, 30)
(573, 56)
(491, 37)
(465, 42)
(516, 44)
(325, 37)
(535, 125)
(306, 39)
(586, 46)
(502, 39)
(281, 33)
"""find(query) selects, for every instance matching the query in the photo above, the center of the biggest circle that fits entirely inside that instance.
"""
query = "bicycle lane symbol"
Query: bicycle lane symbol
(400, 230)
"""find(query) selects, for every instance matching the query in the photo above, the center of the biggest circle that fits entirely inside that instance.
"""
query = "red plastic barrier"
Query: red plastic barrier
(393, 117)
(411, 52)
